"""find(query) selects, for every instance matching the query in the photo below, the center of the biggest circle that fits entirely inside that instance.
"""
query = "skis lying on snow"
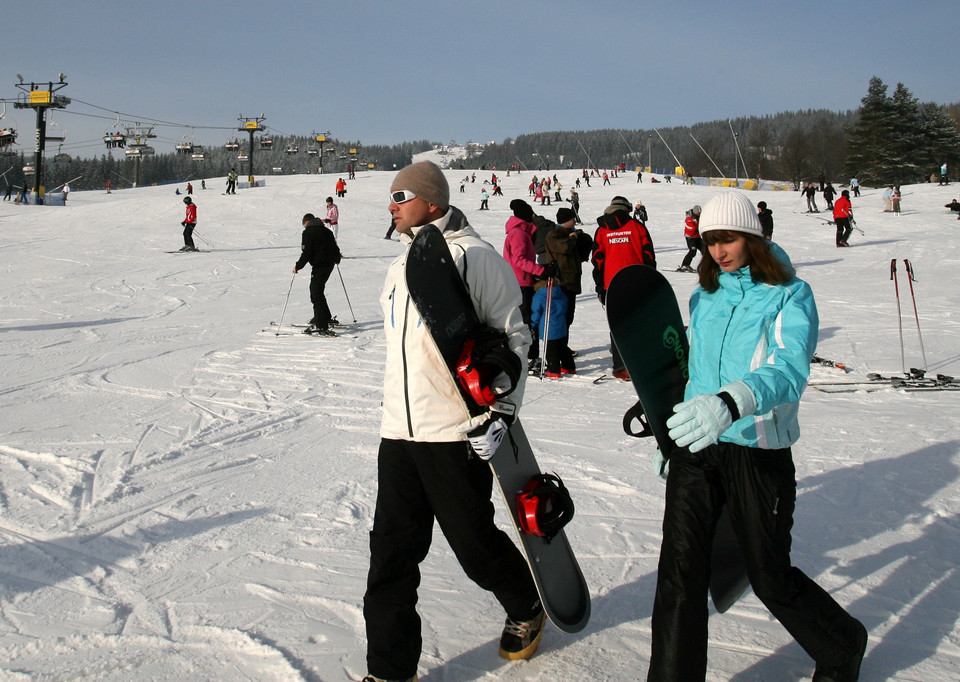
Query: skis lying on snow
(914, 380)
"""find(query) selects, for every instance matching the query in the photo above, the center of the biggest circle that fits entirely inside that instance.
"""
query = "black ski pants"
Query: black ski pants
(759, 489)
(188, 234)
(319, 274)
(843, 230)
(417, 483)
(694, 246)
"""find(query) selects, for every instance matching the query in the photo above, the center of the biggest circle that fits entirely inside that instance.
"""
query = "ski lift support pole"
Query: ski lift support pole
(722, 174)
(589, 161)
(40, 100)
(668, 147)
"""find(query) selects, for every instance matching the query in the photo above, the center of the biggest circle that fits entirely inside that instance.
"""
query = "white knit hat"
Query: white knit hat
(732, 210)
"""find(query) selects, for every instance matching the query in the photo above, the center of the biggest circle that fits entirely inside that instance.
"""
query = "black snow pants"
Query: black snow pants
(319, 274)
(759, 489)
(417, 483)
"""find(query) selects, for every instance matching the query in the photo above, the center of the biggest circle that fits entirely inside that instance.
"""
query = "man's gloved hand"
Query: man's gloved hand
(549, 270)
(485, 436)
(701, 421)
(184, 223)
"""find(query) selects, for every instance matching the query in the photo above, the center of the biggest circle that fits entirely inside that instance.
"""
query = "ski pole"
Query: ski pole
(200, 237)
(546, 328)
(346, 295)
(284, 311)
(896, 289)
(911, 277)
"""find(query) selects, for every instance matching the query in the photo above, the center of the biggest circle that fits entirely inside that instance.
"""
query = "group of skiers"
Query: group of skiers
(733, 432)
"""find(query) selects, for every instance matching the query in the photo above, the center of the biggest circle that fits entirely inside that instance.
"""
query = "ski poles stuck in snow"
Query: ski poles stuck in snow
(911, 278)
(896, 290)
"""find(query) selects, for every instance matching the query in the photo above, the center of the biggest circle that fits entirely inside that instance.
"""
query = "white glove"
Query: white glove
(701, 421)
(486, 438)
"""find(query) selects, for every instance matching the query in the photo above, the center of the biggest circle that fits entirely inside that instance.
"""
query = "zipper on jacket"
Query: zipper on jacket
(403, 355)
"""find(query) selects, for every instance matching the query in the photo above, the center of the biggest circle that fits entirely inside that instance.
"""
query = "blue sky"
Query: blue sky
(387, 71)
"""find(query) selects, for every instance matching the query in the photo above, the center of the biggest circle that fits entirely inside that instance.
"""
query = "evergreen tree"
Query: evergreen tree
(870, 138)
(942, 135)
(907, 142)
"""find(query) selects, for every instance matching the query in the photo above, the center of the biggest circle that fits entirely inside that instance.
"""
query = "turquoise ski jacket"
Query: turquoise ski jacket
(763, 335)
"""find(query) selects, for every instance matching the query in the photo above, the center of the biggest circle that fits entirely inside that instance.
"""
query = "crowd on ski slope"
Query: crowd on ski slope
(753, 329)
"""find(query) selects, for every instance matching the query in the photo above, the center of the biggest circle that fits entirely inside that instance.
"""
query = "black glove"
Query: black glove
(184, 223)
(549, 270)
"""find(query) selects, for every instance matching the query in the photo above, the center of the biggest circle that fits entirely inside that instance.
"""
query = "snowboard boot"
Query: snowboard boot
(371, 678)
(850, 671)
(534, 366)
(521, 638)
(622, 374)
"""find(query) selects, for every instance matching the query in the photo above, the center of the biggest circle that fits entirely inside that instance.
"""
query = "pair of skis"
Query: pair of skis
(911, 278)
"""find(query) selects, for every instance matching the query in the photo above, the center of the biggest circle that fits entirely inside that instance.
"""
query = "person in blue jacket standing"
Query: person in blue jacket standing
(753, 330)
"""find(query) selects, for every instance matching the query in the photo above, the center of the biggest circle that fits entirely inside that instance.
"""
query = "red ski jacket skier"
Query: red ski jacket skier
(619, 241)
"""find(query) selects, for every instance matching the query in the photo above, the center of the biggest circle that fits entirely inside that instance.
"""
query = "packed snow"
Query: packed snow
(186, 495)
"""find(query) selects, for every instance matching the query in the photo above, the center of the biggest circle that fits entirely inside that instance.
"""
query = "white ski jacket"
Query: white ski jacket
(421, 401)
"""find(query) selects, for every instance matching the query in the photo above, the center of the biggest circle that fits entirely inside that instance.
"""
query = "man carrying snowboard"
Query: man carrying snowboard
(431, 461)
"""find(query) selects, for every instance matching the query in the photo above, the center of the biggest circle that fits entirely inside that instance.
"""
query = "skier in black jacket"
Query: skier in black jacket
(319, 248)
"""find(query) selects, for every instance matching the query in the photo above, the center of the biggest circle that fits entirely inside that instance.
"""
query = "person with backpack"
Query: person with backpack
(318, 247)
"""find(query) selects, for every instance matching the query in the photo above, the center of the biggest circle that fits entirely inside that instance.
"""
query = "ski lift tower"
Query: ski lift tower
(251, 125)
(40, 97)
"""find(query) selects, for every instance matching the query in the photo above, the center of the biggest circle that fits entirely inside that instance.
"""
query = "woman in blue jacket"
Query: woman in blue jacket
(753, 330)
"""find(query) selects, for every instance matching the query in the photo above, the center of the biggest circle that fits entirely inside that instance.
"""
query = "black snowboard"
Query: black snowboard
(647, 328)
(444, 305)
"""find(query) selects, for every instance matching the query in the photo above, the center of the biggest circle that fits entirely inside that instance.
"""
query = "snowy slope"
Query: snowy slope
(186, 496)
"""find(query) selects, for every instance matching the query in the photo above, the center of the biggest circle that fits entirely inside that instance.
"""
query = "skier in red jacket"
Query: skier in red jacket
(189, 222)
(619, 241)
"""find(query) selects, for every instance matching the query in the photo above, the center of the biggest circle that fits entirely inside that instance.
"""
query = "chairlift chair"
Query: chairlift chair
(293, 149)
(55, 132)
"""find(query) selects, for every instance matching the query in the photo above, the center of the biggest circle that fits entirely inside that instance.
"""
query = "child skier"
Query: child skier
(559, 357)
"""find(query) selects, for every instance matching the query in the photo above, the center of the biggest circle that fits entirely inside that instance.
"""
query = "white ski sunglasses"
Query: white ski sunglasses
(402, 196)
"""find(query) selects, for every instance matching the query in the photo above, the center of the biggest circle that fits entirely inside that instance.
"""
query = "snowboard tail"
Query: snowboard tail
(648, 330)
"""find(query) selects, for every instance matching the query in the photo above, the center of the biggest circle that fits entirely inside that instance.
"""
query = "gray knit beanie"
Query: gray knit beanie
(618, 204)
(732, 210)
(426, 180)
